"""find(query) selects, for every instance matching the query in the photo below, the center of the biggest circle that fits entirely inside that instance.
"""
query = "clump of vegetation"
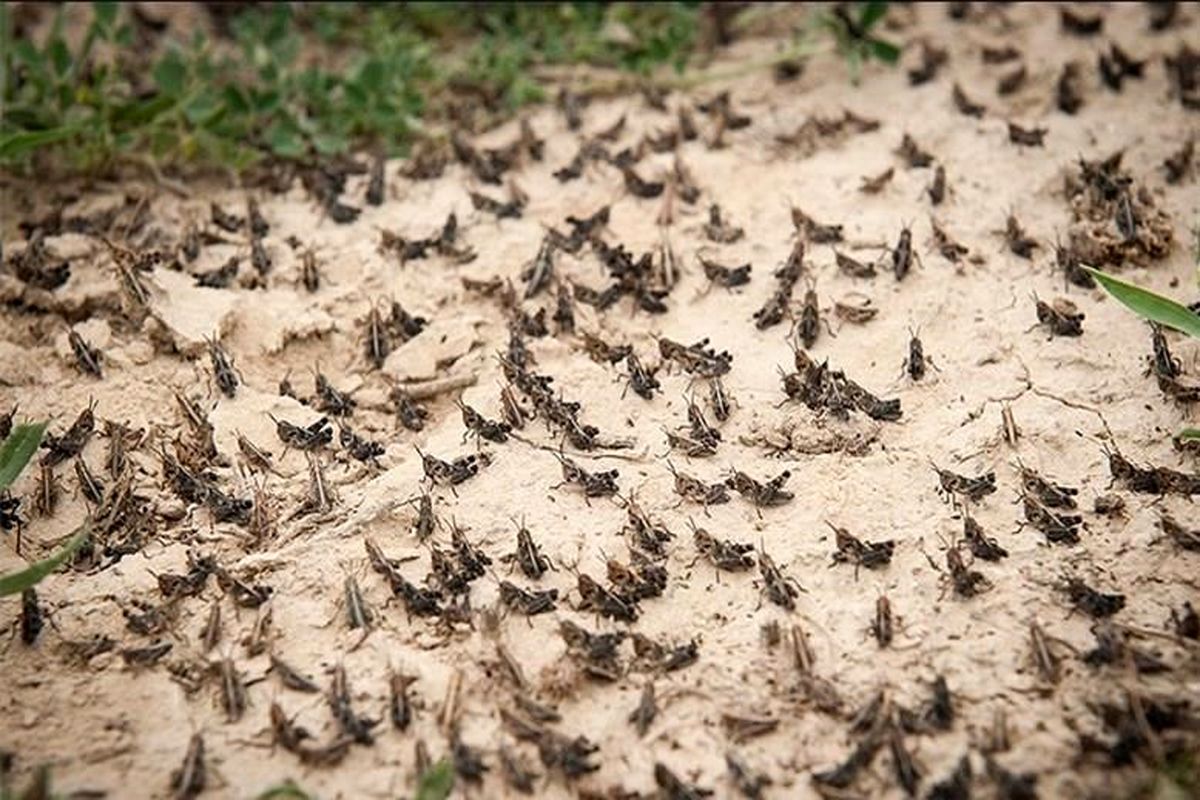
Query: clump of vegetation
(436, 782)
(15, 453)
(301, 81)
(854, 34)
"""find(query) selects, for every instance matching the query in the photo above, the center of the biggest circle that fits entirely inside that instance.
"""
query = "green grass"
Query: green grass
(1155, 308)
(15, 454)
(436, 782)
(304, 81)
(17, 450)
(1150, 305)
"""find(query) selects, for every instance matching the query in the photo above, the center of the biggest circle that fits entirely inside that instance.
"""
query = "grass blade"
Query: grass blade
(884, 51)
(16, 451)
(436, 782)
(1145, 303)
(17, 144)
(18, 582)
(872, 13)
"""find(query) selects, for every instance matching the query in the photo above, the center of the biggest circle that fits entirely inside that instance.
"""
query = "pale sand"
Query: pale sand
(106, 726)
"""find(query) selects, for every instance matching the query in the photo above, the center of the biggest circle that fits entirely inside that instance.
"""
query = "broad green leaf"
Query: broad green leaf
(871, 13)
(16, 144)
(884, 51)
(106, 13)
(138, 112)
(436, 782)
(20, 581)
(202, 108)
(284, 141)
(16, 451)
(1189, 435)
(235, 99)
(266, 102)
(170, 73)
(1162, 310)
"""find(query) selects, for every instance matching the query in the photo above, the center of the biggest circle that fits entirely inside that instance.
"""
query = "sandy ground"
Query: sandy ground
(105, 725)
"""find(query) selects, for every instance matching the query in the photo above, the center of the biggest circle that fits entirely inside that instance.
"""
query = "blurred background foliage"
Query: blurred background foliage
(229, 84)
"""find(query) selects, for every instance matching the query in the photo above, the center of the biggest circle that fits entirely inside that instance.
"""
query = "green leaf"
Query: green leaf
(330, 143)
(285, 791)
(235, 99)
(106, 13)
(1162, 310)
(871, 13)
(266, 102)
(16, 144)
(884, 51)
(170, 73)
(20, 581)
(284, 140)
(436, 782)
(371, 77)
(138, 112)
(204, 107)
(355, 95)
(60, 55)
(1189, 435)
(16, 451)
(25, 53)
